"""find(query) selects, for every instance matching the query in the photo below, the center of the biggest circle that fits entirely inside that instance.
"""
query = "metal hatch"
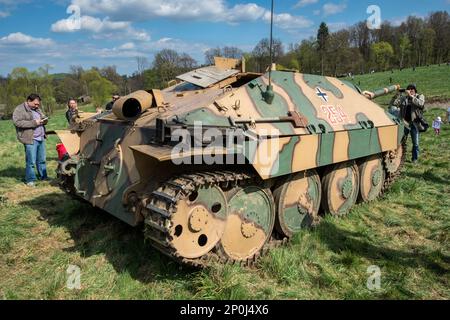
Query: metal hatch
(208, 76)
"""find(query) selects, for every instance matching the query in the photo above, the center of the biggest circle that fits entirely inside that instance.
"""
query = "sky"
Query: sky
(100, 33)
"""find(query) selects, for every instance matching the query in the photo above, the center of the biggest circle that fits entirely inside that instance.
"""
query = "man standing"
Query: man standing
(30, 121)
(411, 105)
(448, 115)
(110, 105)
(72, 110)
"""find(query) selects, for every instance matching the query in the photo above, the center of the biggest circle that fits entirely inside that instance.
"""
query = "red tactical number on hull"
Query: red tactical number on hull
(335, 114)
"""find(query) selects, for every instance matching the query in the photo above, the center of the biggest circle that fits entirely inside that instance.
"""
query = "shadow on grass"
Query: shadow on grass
(17, 173)
(339, 240)
(430, 176)
(96, 232)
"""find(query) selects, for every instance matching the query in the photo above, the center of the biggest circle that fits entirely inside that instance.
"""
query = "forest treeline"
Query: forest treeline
(354, 50)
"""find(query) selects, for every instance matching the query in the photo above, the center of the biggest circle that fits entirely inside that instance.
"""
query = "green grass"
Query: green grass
(406, 234)
(433, 81)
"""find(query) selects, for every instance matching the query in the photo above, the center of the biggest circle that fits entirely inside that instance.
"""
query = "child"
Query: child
(437, 125)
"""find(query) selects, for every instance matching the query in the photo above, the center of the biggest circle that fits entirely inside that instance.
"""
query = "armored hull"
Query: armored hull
(219, 173)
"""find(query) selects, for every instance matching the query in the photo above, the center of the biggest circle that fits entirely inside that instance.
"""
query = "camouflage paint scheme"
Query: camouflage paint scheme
(348, 126)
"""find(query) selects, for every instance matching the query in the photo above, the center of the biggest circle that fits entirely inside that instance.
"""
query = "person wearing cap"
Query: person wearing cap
(437, 125)
(412, 105)
(110, 105)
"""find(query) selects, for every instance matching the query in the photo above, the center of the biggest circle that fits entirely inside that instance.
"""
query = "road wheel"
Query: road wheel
(298, 202)
(250, 221)
(340, 188)
(372, 176)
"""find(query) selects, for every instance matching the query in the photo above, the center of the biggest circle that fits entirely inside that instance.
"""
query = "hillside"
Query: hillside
(405, 234)
(432, 81)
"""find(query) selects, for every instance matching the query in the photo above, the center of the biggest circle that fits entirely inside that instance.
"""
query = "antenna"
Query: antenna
(269, 95)
(271, 45)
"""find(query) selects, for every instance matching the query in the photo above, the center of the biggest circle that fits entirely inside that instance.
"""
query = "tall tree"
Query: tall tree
(307, 53)
(323, 36)
(99, 88)
(142, 65)
(261, 53)
(18, 88)
(186, 62)
(404, 48)
(111, 74)
(338, 53)
(427, 39)
(382, 52)
(440, 23)
(225, 52)
(169, 63)
(362, 39)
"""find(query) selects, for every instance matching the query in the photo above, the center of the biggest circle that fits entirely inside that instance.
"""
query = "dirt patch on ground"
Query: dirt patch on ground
(438, 105)
(22, 193)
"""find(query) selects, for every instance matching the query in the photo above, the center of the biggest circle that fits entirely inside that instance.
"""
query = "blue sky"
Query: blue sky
(34, 33)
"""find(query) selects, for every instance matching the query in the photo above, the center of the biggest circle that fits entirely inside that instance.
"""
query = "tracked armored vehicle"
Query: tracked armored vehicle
(225, 164)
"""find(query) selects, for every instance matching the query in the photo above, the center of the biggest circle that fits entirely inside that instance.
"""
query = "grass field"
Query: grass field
(433, 81)
(405, 234)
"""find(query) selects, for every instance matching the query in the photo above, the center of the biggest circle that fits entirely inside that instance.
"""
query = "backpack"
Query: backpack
(421, 122)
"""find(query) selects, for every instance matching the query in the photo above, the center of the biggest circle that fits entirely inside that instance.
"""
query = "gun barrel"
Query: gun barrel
(381, 92)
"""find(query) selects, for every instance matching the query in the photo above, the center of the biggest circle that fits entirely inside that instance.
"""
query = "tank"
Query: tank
(225, 164)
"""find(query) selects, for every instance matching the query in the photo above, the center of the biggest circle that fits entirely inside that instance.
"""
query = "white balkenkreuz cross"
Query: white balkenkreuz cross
(322, 95)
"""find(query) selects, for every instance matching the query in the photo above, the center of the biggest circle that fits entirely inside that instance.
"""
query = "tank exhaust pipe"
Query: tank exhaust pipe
(132, 106)
(381, 92)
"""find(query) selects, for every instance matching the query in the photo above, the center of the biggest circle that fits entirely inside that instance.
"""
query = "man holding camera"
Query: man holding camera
(411, 105)
(30, 127)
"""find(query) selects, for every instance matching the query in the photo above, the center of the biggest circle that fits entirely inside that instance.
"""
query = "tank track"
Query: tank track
(162, 204)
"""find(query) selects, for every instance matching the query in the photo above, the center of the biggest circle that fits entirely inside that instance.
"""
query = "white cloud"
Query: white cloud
(244, 12)
(7, 6)
(89, 24)
(200, 10)
(330, 9)
(304, 3)
(137, 10)
(163, 40)
(336, 26)
(119, 15)
(127, 46)
(20, 39)
(288, 21)
(102, 28)
(23, 50)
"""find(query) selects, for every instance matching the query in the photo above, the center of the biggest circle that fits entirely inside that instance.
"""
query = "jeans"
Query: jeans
(415, 140)
(35, 159)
